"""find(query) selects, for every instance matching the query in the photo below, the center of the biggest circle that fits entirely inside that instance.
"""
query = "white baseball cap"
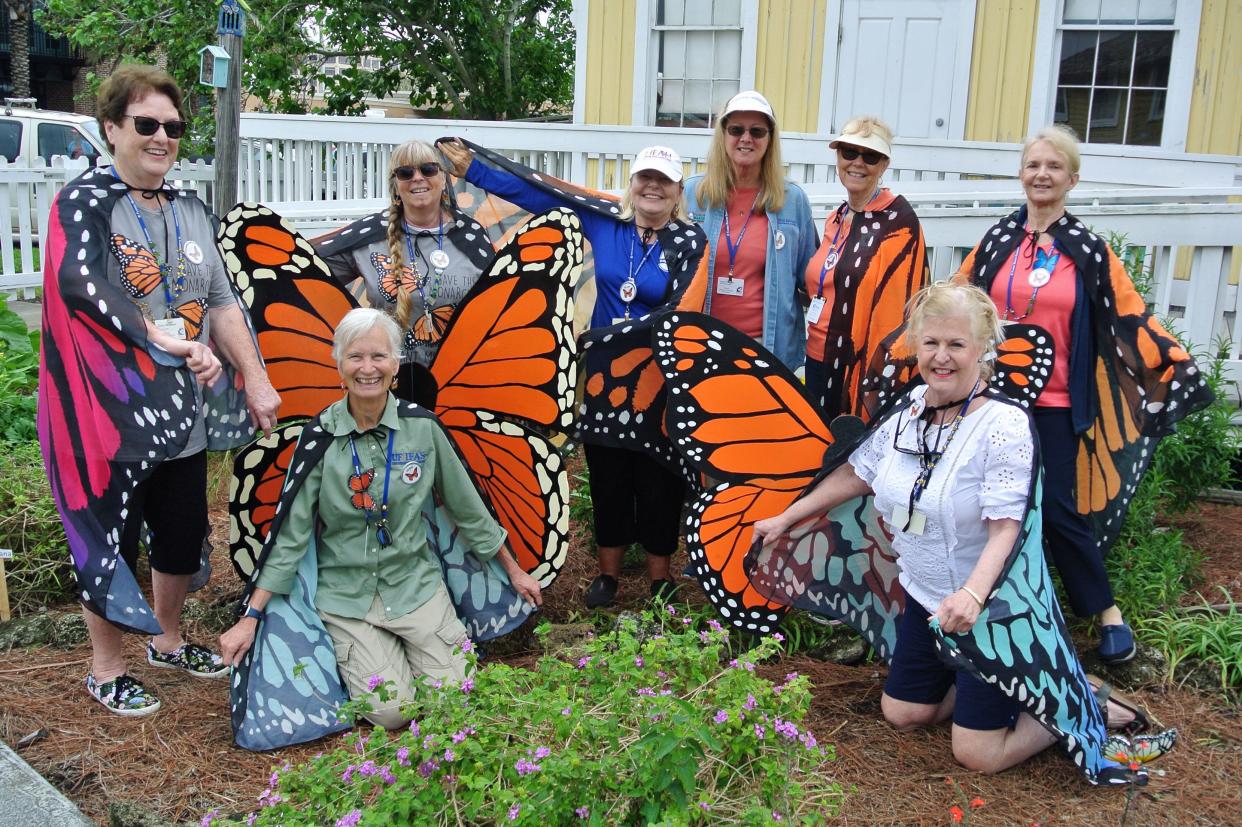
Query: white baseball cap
(659, 158)
(750, 101)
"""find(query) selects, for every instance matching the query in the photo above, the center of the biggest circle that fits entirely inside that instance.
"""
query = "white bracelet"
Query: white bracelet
(971, 592)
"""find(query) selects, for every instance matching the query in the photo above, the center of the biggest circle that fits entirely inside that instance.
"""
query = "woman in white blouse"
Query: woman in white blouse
(951, 475)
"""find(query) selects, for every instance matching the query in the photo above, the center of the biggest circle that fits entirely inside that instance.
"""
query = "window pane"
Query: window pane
(1146, 124)
(1157, 11)
(1152, 56)
(721, 92)
(698, 102)
(1116, 55)
(673, 54)
(699, 55)
(10, 139)
(1082, 11)
(1107, 124)
(672, 13)
(728, 13)
(1077, 58)
(1072, 109)
(1118, 11)
(699, 13)
(671, 99)
(728, 55)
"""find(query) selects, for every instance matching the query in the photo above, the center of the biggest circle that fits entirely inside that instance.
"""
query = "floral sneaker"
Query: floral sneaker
(123, 695)
(189, 657)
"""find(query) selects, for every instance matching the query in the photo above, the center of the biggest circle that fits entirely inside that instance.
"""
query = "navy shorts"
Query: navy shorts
(918, 676)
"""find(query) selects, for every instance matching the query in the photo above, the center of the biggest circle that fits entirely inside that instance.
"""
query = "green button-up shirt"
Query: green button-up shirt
(352, 566)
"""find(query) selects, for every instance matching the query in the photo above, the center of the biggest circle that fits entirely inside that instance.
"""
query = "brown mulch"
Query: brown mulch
(181, 762)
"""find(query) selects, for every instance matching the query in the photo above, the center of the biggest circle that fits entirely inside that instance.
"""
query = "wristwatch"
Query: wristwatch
(257, 614)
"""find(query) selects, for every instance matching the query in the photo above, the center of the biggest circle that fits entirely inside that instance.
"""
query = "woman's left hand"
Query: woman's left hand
(958, 612)
(527, 586)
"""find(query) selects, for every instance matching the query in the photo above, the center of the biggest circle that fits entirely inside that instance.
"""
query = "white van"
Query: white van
(28, 132)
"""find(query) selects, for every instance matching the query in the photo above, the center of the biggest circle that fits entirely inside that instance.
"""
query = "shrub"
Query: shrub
(39, 573)
(640, 725)
(1203, 634)
(19, 375)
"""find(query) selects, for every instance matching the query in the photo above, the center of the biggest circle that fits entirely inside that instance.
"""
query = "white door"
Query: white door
(907, 61)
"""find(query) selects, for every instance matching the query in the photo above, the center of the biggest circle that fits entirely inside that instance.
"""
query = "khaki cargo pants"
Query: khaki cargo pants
(427, 641)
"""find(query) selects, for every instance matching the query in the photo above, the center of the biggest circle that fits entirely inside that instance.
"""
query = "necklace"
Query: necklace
(1042, 266)
(172, 279)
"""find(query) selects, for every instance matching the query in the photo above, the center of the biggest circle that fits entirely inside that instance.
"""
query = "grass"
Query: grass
(1204, 634)
(40, 573)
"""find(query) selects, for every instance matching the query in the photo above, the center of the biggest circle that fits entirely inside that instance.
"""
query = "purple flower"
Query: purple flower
(582, 812)
(403, 756)
(583, 661)
(760, 731)
(462, 734)
(448, 755)
(428, 740)
(467, 645)
(776, 816)
(210, 817)
(808, 738)
(672, 611)
(387, 776)
(638, 661)
(437, 684)
(349, 820)
(778, 637)
(721, 716)
(513, 812)
(791, 677)
(704, 637)
(348, 775)
(787, 728)
(705, 807)
(662, 675)
(251, 819)
(646, 690)
(373, 682)
(542, 753)
(426, 768)
(569, 710)
(467, 685)
(750, 702)
(525, 767)
(733, 664)
(414, 730)
(714, 625)
(685, 621)
(274, 779)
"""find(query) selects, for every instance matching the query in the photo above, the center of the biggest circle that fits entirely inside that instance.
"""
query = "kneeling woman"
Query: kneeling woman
(381, 592)
(951, 477)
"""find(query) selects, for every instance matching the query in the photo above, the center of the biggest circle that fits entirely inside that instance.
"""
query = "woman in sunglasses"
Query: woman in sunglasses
(418, 258)
(137, 305)
(871, 261)
(381, 592)
(760, 226)
(1043, 267)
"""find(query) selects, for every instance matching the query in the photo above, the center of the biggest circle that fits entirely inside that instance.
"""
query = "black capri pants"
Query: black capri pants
(173, 504)
(635, 499)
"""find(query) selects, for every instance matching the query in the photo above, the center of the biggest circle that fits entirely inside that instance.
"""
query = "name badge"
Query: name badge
(173, 327)
(816, 308)
(726, 286)
(910, 523)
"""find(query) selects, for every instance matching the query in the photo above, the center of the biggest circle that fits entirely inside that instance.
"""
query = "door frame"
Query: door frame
(834, 13)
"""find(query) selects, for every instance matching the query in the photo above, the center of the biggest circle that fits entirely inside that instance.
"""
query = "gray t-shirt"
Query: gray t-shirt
(205, 282)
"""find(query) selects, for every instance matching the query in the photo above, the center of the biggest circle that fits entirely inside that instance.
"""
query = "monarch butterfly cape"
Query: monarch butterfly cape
(1131, 381)
(111, 405)
(737, 415)
(624, 392)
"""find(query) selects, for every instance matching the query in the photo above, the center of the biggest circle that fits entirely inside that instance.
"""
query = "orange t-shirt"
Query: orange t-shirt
(745, 312)
(1054, 308)
(841, 280)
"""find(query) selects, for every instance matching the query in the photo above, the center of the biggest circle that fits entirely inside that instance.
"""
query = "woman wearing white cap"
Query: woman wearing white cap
(872, 260)
(761, 228)
(645, 252)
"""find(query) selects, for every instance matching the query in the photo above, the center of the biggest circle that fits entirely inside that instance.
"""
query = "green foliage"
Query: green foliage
(39, 573)
(19, 376)
(641, 725)
(484, 59)
(1203, 634)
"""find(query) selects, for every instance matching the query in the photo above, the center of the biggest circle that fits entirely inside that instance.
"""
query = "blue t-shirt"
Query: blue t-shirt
(615, 244)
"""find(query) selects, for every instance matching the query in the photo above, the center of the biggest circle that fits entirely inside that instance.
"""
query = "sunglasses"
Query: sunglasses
(428, 170)
(149, 126)
(869, 158)
(758, 133)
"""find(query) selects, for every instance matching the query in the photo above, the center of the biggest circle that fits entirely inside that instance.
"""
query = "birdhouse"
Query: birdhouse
(213, 66)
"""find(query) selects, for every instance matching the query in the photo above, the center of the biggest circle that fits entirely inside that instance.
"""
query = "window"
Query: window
(10, 140)
(697, 53)
(63, 139)
(1113, 78)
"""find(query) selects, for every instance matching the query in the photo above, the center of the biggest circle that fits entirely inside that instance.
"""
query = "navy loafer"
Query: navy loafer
(1116, 643)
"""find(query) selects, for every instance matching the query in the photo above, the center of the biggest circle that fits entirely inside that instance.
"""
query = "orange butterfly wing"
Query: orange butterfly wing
(140, 274)
(259, 472)
(392, 279)
(430, 328)
(192, 313)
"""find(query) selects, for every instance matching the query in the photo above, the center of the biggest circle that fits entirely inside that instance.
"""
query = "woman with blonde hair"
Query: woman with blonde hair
(760, 225)
(872, 260)
(417, 259)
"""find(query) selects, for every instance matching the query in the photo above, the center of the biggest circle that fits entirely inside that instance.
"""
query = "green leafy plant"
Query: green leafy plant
(1202, 633)
(19, 376)
(39, 573)
(642, 724)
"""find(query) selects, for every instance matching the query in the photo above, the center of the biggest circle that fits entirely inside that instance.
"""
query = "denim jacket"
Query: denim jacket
(792, 241)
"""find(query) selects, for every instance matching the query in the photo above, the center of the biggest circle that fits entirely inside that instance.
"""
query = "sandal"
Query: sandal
(1104, 693)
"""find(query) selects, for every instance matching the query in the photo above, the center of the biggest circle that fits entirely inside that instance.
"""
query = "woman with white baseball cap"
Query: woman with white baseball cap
(646, 253)
(760, 226)
(872, 260)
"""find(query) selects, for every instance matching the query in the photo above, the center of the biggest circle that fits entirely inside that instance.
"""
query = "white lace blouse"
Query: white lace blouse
(985, 474)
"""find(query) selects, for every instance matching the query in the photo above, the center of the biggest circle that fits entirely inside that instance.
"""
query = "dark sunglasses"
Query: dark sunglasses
(869, 158)
(756, 132)
(429, 170)
(149, 126)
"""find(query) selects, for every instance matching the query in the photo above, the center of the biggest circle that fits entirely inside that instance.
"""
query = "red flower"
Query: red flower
(976, 803)
(956, 812)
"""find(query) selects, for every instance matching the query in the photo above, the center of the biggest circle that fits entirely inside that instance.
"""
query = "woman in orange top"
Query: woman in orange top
(872, 260)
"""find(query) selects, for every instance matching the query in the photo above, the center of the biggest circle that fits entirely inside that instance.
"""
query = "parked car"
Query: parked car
(28, 132)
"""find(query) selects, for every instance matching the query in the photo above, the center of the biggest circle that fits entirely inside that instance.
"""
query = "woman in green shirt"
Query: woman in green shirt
(381, 592)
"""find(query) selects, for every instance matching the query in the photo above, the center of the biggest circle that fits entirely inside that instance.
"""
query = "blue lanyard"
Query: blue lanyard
(632, 272)
(733, 246)
(830, 260)
(381, 526)
(421, 284)
(1049, 264)
(178, 283)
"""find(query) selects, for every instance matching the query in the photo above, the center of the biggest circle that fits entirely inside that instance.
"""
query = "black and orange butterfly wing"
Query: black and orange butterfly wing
(140, 273)
(259, 472)
(294, 302)
(737, 415)
(429, 327)
(192, 313)
(506, 363)
(392, 279)
(1023, 363)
